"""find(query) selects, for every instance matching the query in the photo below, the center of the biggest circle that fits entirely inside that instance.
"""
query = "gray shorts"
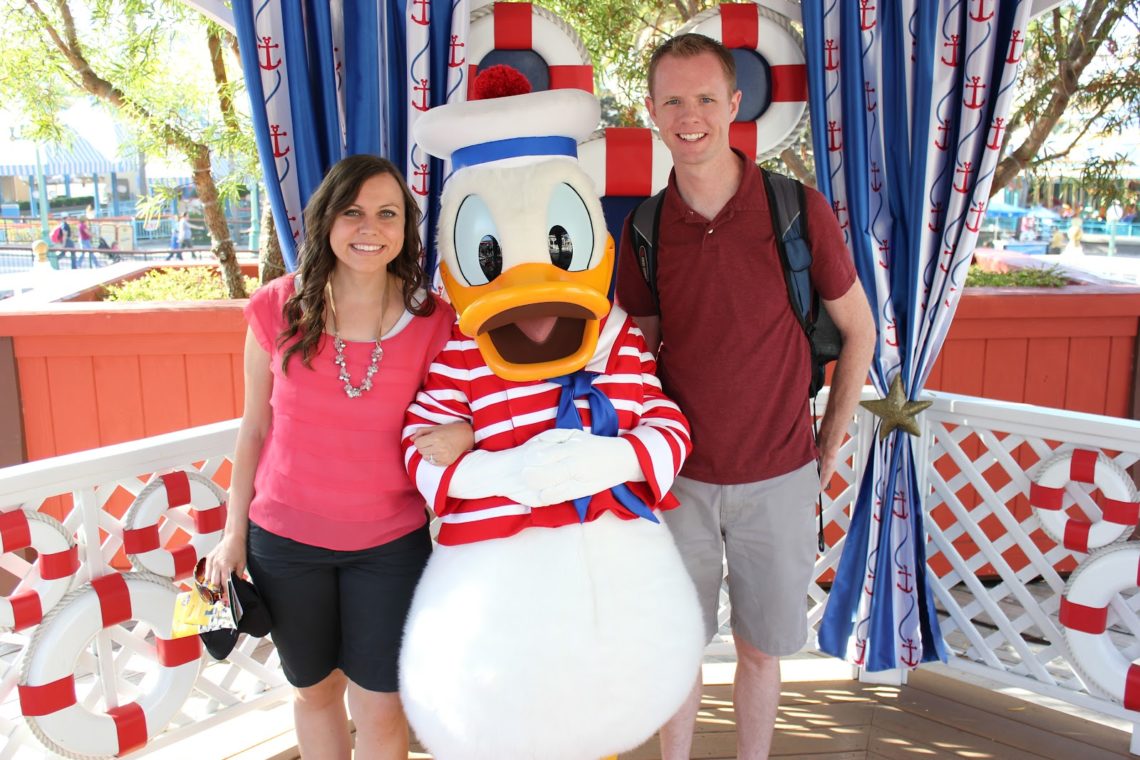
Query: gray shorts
(767, 533)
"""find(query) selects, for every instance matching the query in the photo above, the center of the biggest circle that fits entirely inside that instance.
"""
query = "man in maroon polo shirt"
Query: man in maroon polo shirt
(734, 357)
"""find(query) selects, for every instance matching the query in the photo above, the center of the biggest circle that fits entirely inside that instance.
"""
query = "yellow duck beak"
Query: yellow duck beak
(498, 316)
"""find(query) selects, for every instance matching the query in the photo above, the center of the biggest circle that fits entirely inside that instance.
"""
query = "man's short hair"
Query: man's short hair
(688, 46)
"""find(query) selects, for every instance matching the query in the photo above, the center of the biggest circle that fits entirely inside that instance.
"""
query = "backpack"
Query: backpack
(787, 203)
(57, 234)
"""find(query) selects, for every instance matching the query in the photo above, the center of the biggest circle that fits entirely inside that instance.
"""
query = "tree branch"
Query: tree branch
(1088, 34)
(796, 165)
(221, 81)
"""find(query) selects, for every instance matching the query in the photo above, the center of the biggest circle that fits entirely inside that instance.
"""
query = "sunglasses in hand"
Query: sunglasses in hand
(210, 593)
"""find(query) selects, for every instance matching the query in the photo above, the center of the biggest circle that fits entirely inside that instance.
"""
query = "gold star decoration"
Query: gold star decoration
(895, 411)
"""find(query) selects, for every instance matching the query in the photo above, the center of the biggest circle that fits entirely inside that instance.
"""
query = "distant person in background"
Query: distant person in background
(85, 242)
(185, 234)
(112, 249)
(176, 243)
(1074, 248)
(1057, 242)
(61, 235)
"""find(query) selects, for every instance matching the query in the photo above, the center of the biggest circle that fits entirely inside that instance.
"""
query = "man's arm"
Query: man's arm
(650, 327)
(852, 315)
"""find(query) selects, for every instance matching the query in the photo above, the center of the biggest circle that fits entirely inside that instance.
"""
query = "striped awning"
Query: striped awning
(77, 158)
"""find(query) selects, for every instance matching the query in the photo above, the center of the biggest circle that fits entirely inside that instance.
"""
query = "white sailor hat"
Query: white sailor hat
(517, 127)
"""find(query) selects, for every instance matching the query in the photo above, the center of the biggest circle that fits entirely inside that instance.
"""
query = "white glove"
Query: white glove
(481, 474)
(573, 463)
(553, 467)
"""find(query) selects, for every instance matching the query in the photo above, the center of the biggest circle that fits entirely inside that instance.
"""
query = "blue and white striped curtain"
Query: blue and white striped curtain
(332, 78)
(909, 100)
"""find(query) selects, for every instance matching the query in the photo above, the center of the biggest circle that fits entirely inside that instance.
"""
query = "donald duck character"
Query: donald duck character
(556, 619)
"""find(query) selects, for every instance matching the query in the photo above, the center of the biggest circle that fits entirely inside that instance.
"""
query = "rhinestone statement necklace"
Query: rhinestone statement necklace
(350, 390)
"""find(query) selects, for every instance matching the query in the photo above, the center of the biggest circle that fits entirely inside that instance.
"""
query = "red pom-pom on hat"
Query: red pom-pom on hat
(499, 81)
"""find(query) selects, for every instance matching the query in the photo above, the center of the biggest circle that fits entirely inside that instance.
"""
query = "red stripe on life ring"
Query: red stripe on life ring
(1082, 467)
(513, 26)
(185, 558)
(1121, 512)
(14, 531)
(209, 520)
(47, 698)
(59, 565)
(472, 69)
(130, 727)
(141, 540)
(177, 488)
(740, 25)
(27, 610)
(1044, 497)
(1077, 535)
(1082, 618)
(114, 598)
(629, 162)
(789, 83)
(742, 136)
(571, 77)
(1132, 688)
(175, 652)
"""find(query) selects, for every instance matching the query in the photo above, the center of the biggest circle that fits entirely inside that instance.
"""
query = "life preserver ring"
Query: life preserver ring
(49, 579)
(771, 117)
(523, 27)
(141, 540)
(46, 684)
(625, 161)
(1047, 492)
(1084, 617)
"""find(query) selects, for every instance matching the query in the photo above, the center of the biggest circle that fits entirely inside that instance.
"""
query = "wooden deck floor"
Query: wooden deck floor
(932, 716)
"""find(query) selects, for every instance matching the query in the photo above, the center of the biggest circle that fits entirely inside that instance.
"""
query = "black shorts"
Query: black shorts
(338, 609)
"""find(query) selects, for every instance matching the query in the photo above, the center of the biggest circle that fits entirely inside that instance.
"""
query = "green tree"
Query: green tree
(620, 35)
(1080, 79)
(157, 63)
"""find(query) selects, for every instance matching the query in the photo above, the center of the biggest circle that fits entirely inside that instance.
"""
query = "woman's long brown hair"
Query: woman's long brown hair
(304, 312)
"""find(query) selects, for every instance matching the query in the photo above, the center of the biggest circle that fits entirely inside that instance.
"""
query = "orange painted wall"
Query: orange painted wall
(1073, 348)
(93, 374)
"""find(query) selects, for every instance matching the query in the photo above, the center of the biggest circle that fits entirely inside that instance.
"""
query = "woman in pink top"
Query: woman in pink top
(320, 505)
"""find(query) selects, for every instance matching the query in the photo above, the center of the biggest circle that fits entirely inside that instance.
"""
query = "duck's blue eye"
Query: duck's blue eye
(570, 235)
(476, 239)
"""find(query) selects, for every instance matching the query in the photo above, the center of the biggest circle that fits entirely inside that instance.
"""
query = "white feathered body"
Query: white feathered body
(567, 643)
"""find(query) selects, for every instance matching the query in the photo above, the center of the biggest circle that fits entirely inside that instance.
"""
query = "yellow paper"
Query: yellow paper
(191, 612)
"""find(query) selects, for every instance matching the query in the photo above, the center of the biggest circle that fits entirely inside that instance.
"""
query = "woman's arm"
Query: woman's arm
(229, 555)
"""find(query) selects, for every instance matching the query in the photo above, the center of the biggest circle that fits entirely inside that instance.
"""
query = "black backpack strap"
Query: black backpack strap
(786, 203)
(643, 226)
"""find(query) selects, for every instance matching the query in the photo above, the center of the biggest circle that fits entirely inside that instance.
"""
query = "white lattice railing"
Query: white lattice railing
(997, 577)
(1000, 596)
(87, 489)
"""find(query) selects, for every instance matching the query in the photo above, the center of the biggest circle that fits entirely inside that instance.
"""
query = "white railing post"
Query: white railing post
(88, 532)
(88, 506)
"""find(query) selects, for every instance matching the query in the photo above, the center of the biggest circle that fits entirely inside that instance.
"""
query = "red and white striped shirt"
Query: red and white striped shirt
(505, 414)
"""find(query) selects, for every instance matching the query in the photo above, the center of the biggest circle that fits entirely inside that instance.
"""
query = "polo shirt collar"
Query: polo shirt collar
(749, 196)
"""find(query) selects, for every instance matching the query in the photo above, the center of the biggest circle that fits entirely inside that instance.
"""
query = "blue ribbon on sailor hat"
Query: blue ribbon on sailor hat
(513, 147)
(603, 421)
